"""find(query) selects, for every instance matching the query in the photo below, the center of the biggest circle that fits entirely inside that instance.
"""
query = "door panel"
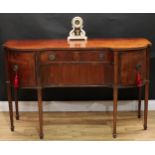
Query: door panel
(26, 68)
(77, 74)
(129, 61)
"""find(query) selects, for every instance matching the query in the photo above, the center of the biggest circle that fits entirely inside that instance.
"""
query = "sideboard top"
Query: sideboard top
(117, 43)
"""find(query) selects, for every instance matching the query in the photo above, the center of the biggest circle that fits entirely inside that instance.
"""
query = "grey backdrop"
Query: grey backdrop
(44, 26)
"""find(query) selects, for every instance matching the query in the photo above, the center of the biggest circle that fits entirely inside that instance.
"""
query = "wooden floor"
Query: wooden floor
(78, 126)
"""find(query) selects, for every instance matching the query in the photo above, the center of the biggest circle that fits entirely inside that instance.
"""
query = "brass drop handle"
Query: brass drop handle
(101, 56)
(138, 66)
(52, 57)
(15, 68)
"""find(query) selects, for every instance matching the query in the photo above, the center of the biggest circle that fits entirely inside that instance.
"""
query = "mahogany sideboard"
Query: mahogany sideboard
(116, 63)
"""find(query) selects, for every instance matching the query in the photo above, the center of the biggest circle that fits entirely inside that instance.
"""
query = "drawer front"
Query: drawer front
(76, 74)
(25, 65)
(132, 63)
(82, 56)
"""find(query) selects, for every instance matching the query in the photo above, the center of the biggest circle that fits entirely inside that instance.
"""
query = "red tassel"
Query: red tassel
(138, 80)
(16, 81)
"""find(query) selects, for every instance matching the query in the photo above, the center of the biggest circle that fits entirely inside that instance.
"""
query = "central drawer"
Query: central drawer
(83, 56)
(75, 68)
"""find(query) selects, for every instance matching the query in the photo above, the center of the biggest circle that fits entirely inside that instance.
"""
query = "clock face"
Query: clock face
(77, 22)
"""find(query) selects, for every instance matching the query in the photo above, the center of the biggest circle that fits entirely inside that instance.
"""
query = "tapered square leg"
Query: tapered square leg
(10, 105)
(39, 92)
(16, 103)
(146, 104)
(115, 94)
(139, 101)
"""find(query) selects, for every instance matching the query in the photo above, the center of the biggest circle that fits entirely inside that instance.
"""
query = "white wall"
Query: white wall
(78, 105)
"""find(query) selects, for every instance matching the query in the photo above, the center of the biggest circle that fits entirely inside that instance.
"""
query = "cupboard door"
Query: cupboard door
(25, 65)
(130, 64)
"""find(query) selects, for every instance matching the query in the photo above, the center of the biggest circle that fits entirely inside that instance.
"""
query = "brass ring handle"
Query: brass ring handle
(138, 66)
(101, 56)
(52, 57)
(15, 68)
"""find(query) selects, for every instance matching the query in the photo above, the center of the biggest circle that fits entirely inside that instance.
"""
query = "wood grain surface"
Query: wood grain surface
(35, 45)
